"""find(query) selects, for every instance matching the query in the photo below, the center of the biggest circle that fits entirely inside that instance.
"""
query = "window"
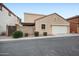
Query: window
(0, 8)
(9, 14)
(43, 26)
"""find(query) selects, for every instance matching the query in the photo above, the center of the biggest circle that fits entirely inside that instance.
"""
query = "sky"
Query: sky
(66, 10)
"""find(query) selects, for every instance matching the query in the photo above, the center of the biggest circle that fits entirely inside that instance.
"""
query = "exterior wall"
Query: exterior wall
(74, 25)
(5, 20)
(77, 29)
(30, 18)
(50, 20)
(19, 27)
(74, 20)
(28, 29)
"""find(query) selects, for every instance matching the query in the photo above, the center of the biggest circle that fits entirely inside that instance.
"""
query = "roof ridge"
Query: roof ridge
(48, 15)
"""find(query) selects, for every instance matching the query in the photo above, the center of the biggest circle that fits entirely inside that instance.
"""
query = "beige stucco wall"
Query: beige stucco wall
(29, 18)
(28, 29)
(50, 20)
(5, 19)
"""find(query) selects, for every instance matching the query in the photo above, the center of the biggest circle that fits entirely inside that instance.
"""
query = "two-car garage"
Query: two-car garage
(60, 29)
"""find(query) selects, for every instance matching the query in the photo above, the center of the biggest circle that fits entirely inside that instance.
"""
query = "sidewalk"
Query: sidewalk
(5, 37)
(30, 38)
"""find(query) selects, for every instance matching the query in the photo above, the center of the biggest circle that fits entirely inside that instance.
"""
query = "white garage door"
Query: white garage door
(59, 29)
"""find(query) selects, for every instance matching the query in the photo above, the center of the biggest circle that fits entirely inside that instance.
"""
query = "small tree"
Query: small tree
(17, 34)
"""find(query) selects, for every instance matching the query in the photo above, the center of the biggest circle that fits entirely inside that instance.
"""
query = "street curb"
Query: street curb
(43, 37)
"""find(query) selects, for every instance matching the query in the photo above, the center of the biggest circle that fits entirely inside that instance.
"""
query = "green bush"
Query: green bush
(17, 34)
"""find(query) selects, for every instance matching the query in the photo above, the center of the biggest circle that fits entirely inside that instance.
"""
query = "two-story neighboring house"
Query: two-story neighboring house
(45, 24)
(29, 22)
(74, 24)
(8, 20)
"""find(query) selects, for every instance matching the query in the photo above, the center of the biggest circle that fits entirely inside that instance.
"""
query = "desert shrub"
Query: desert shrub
(3, 34)
(45, 33)
(26, 34)
(17, 34)
(36, 33)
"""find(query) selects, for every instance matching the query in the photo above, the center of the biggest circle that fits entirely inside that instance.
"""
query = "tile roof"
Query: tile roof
(77, 16)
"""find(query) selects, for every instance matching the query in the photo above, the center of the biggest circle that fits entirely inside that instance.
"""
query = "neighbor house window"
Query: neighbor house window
(9, 14)
(0, 8)
(43, 26)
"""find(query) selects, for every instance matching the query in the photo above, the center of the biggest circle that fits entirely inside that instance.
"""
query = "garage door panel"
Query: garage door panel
(59, 29)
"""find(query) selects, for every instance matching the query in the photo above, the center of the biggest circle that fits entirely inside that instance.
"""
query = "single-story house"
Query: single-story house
(74, 24)
(52, 24)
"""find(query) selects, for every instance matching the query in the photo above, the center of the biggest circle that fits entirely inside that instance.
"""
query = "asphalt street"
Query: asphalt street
(63, 46)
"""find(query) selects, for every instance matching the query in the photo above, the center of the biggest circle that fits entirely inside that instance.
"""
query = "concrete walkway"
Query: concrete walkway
(30, 38)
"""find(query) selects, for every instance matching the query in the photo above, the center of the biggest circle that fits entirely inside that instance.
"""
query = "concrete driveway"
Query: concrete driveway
(58, 46)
